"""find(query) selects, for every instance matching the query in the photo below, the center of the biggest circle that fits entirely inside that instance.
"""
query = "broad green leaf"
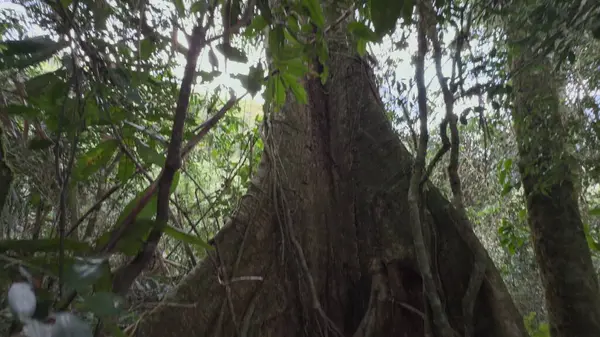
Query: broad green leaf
(101, 11)
(265, 10)
(27, 46)
(361, 31)
(126, 168)
(149, 210)
(180, 7)
(199, 6)
(28, 52)
(232, 53)
(595, 211)
(146, 213)
(103, 304)
(276, 40)
(185, 237)
(133, 238)
(208, 77)
(84, 272)
(253, 81)
(44, 245)
(22, 110)
(147, 47)
(149, 155)
(256, 26)
(316, 12)
(39, 143)
(296, 67)
(50, 84)
(361, 47)
(90, 162)
(384, 15)
(297, 89)
(407, 11)
(279, 91)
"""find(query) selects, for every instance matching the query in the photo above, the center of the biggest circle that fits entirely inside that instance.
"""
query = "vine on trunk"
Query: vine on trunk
(440, 319)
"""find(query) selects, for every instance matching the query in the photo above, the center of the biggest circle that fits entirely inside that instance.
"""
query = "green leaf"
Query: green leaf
(316, 12)
(185, 237)
(149, 210)
(361, 31)
(28, 52)
(90, 162)
(149, 155)
(26, 46)
(407, 11)
(44, 245)
(146, 213)
(253, 81)
(22, 110)
(126, 169)
(208, 77)
(39, 143)
(295, 67)
(361, 47)
(298, 90)
(384, 15)
(132, 239)
(199, 7)
(103, 304)
(595, 211)
(256, 26)
(232, 53)
(84, 272)
(278, 90)
(147, 47)
(180, 7)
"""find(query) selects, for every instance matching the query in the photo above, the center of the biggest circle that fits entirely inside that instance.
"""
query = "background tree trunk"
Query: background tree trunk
(333, 181)
(6, 174)
(546, 168)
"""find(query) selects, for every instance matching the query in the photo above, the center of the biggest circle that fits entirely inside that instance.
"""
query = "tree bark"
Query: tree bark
(6, 174)
(546, 167)
(321, 242)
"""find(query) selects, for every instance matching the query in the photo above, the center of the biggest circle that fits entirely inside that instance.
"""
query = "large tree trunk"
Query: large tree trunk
(330, 199)
(567, 272)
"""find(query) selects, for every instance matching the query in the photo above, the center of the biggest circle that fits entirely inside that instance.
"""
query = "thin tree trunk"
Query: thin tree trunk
(546, 167)
(6, 174)
(321, 243)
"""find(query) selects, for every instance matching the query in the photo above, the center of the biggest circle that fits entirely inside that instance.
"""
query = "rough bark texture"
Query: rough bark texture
(559, 242)
(335, 177)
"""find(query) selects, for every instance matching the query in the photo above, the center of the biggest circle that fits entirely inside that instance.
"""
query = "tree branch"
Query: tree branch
(440, 319)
